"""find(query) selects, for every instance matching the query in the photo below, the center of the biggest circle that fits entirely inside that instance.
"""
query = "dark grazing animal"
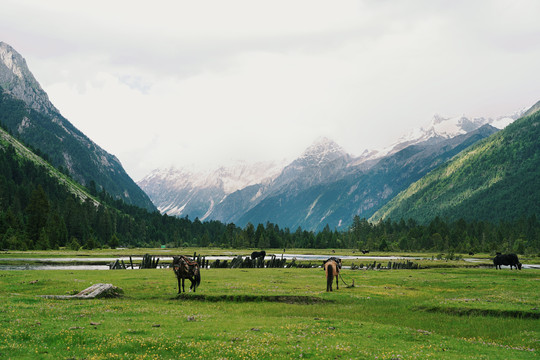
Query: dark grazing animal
(506, 259)
(331, 268)
(258, 254)
(365, 251)
(184, 268)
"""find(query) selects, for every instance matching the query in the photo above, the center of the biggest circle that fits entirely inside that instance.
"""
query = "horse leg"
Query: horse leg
(179, 285)
(337, 280)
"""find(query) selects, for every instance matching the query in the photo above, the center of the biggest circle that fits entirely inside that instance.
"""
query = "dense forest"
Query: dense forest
(38, 212)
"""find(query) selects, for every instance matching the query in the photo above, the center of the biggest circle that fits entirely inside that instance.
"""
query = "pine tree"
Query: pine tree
(38, 213)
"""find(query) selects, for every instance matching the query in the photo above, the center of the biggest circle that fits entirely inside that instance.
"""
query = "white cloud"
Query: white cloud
(178, 82)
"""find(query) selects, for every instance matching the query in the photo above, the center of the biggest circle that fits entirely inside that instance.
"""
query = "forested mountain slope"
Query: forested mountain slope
(496, 179)
(25, 110)
(42, 208)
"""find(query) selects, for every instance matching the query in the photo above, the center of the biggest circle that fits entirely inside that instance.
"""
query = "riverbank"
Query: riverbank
(101, 258)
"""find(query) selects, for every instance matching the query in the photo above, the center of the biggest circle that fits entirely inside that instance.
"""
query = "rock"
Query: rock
(95, 291)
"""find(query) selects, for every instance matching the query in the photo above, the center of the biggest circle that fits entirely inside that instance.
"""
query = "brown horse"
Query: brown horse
(184, 268)
(332, 267)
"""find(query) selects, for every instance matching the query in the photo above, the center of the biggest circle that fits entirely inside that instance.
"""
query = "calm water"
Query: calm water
(59, 263)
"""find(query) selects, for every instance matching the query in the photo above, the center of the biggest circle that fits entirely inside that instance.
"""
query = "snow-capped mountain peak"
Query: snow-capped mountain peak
(322, 150)
(440, 127)
(226, 178)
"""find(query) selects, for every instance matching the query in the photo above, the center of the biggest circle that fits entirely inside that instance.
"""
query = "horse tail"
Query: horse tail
(329, 277)
(197, 276)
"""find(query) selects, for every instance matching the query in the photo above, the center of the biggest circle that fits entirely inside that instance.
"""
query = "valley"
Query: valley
(345, 180)
(62, 191)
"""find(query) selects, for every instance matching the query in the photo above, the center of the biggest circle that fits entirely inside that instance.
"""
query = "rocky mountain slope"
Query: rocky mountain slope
(25, 110)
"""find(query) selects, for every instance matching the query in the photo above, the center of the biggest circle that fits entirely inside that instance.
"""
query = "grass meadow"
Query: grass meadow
(454, 313)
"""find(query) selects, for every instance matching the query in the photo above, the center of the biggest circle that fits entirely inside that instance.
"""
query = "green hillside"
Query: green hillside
(42, 208)
(497, 179)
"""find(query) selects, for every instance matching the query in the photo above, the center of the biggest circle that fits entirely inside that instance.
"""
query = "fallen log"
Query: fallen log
(95, 291)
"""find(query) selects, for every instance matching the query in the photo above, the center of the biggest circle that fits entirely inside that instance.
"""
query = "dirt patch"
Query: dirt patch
(462, 311)
(288, 299)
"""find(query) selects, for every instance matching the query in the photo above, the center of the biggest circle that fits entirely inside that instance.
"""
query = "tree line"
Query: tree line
(37, 212)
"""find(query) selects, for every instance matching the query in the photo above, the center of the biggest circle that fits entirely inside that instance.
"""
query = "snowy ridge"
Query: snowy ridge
(440, 128)
(180, 192)
(228, 179)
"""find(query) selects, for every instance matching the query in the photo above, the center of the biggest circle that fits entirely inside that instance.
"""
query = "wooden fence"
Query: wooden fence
(152, 262)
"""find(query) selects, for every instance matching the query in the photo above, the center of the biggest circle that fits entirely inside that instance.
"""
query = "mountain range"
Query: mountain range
(324, 186)
(497, 179)
(25, 110)
(454, 167)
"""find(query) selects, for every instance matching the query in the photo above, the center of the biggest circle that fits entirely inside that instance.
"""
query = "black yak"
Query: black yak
(258, 254)
(506, 259)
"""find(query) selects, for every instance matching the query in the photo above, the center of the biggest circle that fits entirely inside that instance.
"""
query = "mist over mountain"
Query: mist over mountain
(324, 185)
(181, 192)
(496, 179)
(25, 110)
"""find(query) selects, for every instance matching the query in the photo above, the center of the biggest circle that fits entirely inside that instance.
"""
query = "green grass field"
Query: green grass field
(274, 313)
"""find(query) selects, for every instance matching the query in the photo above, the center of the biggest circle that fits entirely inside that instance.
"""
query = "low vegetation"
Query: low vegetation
(273, 313)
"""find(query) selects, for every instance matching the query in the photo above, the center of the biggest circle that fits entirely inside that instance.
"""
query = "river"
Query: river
(78, 263)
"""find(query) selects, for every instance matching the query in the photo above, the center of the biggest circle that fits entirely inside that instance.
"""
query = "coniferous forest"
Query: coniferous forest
(38, 212)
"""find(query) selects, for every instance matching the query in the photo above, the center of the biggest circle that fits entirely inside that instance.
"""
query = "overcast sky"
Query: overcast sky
(160, 83)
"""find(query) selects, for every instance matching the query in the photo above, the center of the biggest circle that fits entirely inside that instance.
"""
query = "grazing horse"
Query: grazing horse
(332, 267)
(258, 254)
(184, 268)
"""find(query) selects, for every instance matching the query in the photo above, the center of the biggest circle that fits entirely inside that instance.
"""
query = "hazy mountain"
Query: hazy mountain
(324, 185)
(358, 190)
(496, 179)
(322, 162)
(182, 192)
(25, 110)
(441, 128)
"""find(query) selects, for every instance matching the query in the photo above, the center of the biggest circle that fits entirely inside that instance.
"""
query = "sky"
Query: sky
(205, 83)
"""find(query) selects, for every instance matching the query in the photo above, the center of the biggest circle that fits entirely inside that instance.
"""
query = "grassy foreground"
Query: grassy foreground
(273, 313)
